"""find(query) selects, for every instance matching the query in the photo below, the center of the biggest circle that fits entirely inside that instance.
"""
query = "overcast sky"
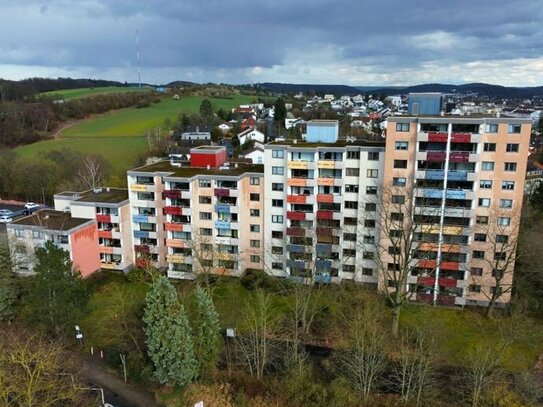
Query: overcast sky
(352, 42)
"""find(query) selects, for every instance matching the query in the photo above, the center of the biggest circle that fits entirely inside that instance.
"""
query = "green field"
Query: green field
(68, 94)
(119, 135)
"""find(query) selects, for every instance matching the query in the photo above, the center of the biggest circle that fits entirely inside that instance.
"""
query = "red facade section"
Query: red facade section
(103, 218)
(437, 137)
(461, 138)
(173, 210)
(202, 157)
(295, 215)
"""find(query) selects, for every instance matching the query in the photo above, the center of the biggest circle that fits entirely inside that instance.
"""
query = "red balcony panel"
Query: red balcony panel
(461, 138)
(449, 265)
(328, 215)
(447, 282)
(428, 298)
(437, 137)
(142, 262)
(107, 234)
(427, 264)
(221, 192)
(296, 199)
(325, 198)
(142, 248)
(443, 282)
(433, 156)
(295, 215)
(426, 281)
(459, 157)
(441, 299)
(174, 227)
(172, 194)
(173, 210)
(103, 218)
(295, 231)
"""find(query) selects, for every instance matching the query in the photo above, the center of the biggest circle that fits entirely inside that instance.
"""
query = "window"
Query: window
(504, 221)
(513, 129)
(491, 128)
(204, 183)
(508, 185)
(478, 254)
(367, 271)
(373, 156)
(485, 183)
(369, 223)
(510, 167)
(255, 181)
(402, 126)
(350, 237)
(484, 202)
(396, 216)
(277, 249)
(398, 199)
(255, 243)
(205, 215)
(351, 188)
(206, 247)
(206, 231)
(349, 252)
(372, 190)
(351, 205)
(506, 203)
(255, 259)
(487, 166)
(500, 256)
(511, 148)
(480, 237)
(348, 268)
(400, 163)
(371, 207)
(352, 172)
(481, 220)
(399, 182)
(278, 170)
(278, 153)
(18, 233)
(502, 239)
(277, 186)
(393, 250)
(20, 248)
(255, 228)
(496, 290)
(277, 266)
(254, 197)
(401, 145)
(395, 233)
(372, 173)
(474, 288)
(277, 218)
(276, 234)
(278, 203)
(489, 147)
(476, 271)
(353, 155)
(254, 212)
(369, 239)
(204, 199)
(368, 255)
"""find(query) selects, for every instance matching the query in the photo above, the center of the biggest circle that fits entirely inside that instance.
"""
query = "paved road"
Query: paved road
(118, 393)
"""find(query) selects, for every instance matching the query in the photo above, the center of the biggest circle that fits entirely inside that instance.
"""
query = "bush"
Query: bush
(253, 278)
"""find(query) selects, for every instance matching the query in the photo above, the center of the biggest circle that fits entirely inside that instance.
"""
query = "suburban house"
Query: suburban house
(250, 134)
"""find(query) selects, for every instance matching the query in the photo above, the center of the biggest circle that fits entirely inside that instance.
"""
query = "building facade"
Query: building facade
(461, 180)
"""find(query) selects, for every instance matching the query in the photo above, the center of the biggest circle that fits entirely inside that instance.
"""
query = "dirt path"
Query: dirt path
(96, 373)
(56, 135)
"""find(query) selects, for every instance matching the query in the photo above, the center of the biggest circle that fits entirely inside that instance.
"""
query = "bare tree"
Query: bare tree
(93, 172)
(158, 140)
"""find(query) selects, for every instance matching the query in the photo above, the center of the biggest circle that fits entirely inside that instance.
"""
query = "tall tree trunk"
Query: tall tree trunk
(395, 320)
(491, 305)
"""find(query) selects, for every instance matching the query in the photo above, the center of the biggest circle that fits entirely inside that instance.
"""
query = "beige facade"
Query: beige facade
(463, 183)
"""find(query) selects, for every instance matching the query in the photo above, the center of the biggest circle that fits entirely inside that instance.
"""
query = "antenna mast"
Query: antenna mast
(138, 58)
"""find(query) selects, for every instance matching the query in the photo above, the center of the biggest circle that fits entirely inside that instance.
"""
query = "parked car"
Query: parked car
(4, 212)
(31, 206)
(6, 218)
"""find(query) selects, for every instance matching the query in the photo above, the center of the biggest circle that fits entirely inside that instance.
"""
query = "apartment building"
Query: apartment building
(320, 201)
(462, 182)
(110, 208)
(76, 235)
(202, 216)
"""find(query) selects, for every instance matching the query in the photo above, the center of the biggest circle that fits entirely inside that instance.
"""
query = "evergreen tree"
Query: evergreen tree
(9, 289)
(280, 111)
(168, 335)
(207, 337)
(57, 295)
(206, 110)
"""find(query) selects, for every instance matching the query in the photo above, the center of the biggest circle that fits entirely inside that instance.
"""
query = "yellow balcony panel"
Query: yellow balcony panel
(327, 164)
(297, 165)
(138, 188)
(175, 258)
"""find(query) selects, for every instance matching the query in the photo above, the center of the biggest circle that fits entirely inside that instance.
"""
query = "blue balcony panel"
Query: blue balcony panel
(141, 234)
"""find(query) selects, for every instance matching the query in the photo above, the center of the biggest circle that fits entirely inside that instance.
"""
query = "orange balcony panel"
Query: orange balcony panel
(295, 215)
(449, 265)
(297, 182)
(325, 198)
(428, 247)
(105, 249)
(103, 218)
(450, 248)
(299, 199)
(328, 215)
(427, 264)
(326, 181)
(176, 243)
(107, 234)
(174, 227)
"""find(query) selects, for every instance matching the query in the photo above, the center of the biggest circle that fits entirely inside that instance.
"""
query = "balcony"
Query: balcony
(221, 192)
(323, 250)
(296, 264)
(297, 182)
(297, 165)
(296, 215)
(140, 218)
(142, 248)
(175, 258)
(323, 265)
(322, 278)
(325, 198)
(297, 248)
(436, 156)
(459, 156)
(103, 218)
(326, 215)
(294, 231)
(223, 208)
(173, 210)
(461, 138)
(172, 194)
(142, 234)
(174, 227)
(222, 224)
(437, 137)
(105, 249)
(329, 181)
(143, 188)
(178, 243)
(442, 282)
(297, 199)
(326, 164)
(449, 265)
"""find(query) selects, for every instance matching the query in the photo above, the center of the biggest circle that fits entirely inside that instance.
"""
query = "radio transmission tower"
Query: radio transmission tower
(138, 58)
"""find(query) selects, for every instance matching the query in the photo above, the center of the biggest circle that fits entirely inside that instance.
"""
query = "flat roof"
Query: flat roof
(376, 142)
(51, 220)
(105, 195)
(452, 118)
(186, 171)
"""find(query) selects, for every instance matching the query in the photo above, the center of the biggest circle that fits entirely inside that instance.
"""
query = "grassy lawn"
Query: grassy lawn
(68, 94)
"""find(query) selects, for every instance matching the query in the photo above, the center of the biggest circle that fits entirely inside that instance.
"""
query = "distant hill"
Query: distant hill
(309, 88)
(180, 84)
